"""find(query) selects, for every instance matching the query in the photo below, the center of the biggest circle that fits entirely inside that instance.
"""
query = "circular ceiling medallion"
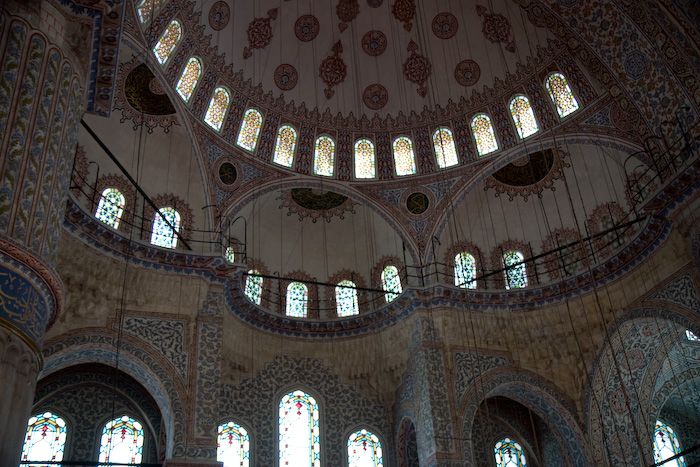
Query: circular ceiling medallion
(445, 25)
(286, 77)
(306, 28)
(374, 43)
(375, 96)
(467, 72)
(219, 14)
(155, 87)
(417, 203)
(375, 3)
(227, 173)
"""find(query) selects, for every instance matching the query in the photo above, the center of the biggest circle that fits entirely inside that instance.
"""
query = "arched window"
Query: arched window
(297, 300)
(364, 159)
(217, 108)
(509, 454)
(230, 255)
(147, 8)
(164, 235)
(188, 79)
(323, 156)
(165, 46)
(253, 286)
(483, 134)
(45, 439)
(284, 148)
(233, 445)
(299, 431)
(445, 150)
(515, 271)
(666, 445)
(404, 159)
(561, 94)
(364, 450)
(346, 299)
(523, 116)
(465, 271)
(110, 208)
(690, 335)
(122, 441)
(391, 283)
(250, 129)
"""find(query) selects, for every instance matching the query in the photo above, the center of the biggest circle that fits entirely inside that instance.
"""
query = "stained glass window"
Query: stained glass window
(147, 8)
(217, 108)
(253, 286)
(391, 283)
(284, 148)
(514, 270)
(162, 234)
(230, 255)
(523, 116)
(404, 159)
(122, 441)
(346, 299)
(465, 271)
(666, 446)
(110, 208)
(614, 237)
(445, 150)
(45, 439)
(233, 445)
(483, 134)
(509, 454)
(165, 46)
(299, 431)
(691, 336)
(561, 94)
(250, 129)
(364, 450)
(364, 159)
(323, 156)
(188, 79)
(297, 300)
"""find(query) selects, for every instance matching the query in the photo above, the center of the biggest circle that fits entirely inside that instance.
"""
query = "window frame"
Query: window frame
(454, 144)
(333, 158)
(294, 150)
(354, 158)
(512, 117)
(164, 63)
(288, 389)
(354, 429)
(68, 428)
(552, 100)
(240, 129)
(244, 425)
(105, 420)
(413, 152)
(196, 84)
(226, 110)
(473, 135)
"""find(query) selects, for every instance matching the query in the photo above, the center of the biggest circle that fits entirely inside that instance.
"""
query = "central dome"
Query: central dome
(365, 57)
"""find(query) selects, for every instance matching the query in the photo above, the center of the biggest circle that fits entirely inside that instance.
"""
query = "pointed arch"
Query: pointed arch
(523, 116)
(233, 445)
(253, 286)
(404, 158)
(299, 429)
(217, 108)
(250, 129)
(297, 300)
(324, 156)
(122, 441)
(189, 78)
(509, 453)
(285, 145)
(111, 207)
(364, 449)
(364, 159)
(445, 150)
(561, 94)
(162, 234)
(170, 38)
(45, 439)
(514, 270)
(666, 446)
(346, 299)
(391, 283)
(483, 133)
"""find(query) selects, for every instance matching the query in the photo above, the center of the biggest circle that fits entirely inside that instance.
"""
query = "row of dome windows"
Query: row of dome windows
(347, 304)
(324, 153)
(122, 440)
